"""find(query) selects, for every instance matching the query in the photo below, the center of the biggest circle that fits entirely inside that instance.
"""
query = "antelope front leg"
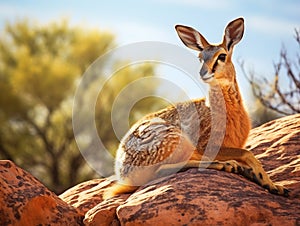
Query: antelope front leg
(255, 172)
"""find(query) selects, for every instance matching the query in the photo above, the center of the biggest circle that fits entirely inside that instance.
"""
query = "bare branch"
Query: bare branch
(273, 95)
(288, 67)
(42, 134)
(297, 35)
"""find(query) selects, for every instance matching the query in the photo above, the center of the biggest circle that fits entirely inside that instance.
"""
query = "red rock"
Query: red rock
(25, 201)
(87, 198)
(277, 145)
(86, 195)
(193, 197)
(207, 197)
(105, 212)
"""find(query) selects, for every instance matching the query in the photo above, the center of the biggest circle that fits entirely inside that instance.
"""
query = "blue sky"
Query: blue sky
(269, 24)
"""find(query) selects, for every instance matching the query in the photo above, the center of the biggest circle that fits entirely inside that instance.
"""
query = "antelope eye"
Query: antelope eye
(222, 57)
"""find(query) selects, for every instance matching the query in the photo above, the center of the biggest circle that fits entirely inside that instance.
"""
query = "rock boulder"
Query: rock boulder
(25, 201)
(207, 197)
(192, 197)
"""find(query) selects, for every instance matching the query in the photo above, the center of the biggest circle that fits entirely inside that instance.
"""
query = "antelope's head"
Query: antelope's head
(216, 59)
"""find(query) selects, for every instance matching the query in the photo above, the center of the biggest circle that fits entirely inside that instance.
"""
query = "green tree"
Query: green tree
(40, 66)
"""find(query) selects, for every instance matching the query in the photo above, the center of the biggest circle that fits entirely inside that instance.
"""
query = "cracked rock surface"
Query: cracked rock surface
(192, 197)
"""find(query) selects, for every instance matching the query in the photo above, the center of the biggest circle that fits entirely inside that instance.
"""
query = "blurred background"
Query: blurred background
(46, 46)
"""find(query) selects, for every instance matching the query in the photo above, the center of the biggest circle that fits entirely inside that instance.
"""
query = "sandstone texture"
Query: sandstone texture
(209, 197)
(192, 197)
(277, 145)
(25, 201)
(87, 198)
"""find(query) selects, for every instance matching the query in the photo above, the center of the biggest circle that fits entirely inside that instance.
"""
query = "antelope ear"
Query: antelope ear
(191, 38)
(233, 33)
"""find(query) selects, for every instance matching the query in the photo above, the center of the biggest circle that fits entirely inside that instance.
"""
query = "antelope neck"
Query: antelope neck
(225, 95)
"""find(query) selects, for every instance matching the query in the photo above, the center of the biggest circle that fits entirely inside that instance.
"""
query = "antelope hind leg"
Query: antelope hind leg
(230, 166)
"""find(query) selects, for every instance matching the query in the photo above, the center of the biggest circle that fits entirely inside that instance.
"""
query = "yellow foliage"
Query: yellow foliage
(39, 68)
(43, 79)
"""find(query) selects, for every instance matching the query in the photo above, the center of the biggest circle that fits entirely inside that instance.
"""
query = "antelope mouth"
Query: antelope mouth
(208, 77)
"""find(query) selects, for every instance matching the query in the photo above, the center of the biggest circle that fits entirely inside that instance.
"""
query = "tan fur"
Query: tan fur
(178, 136)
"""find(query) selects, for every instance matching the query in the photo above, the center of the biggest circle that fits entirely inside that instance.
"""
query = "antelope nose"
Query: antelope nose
(206, 74)
(203, 70)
